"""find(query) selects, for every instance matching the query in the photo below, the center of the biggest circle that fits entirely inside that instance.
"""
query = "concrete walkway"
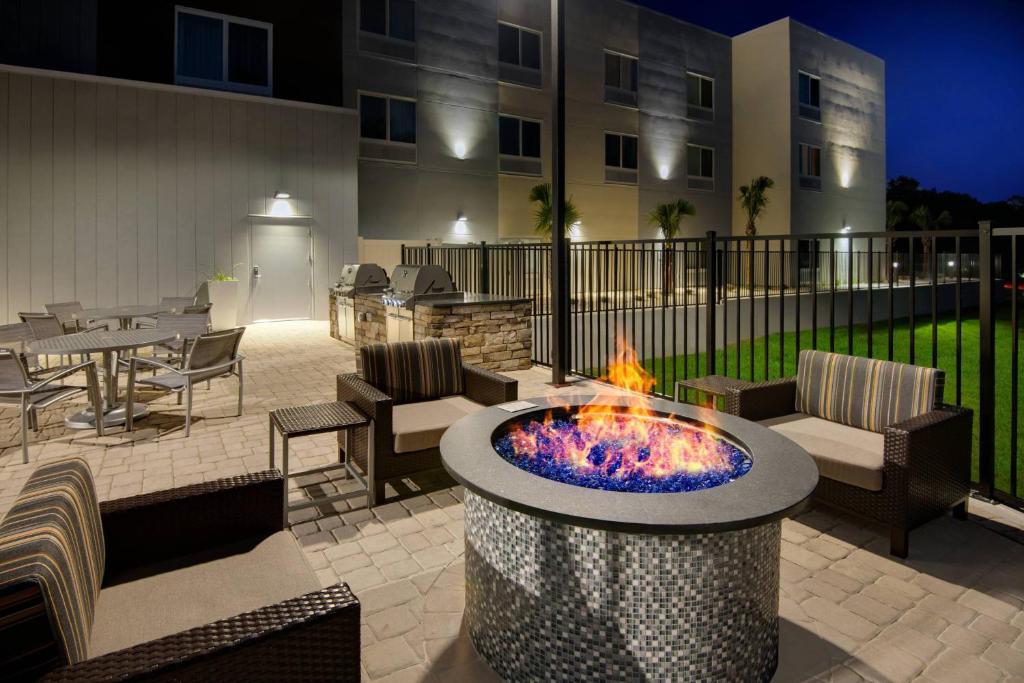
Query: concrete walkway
(953, 612)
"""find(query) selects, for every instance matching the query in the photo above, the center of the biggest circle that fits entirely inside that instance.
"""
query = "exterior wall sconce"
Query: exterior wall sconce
(847, 228)
(460, 217)
(281, 194)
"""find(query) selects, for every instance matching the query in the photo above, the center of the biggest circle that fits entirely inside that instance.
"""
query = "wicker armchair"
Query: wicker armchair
(413, 391)
(105, 599)
(887, 447)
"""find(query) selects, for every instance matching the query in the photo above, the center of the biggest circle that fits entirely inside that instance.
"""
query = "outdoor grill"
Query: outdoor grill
(356, 278)
(622, 538)
(410, 285)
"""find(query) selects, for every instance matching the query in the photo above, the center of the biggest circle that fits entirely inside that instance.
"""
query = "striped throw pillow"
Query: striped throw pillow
(863, 392)
(414, 371)
(52, 557)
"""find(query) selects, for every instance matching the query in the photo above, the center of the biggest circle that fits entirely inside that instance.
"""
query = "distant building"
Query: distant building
(410, 121)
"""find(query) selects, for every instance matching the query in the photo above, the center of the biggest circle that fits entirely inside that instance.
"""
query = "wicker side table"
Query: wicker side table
(320, 418)
(713, 386)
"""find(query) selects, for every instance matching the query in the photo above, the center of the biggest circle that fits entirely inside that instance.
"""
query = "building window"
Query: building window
(621, 76)
(391, 18)
(700, 97)
(809, 88)
(392, 119)
(620, 151)
(518, 137)
(519, 56)
(810, 166)
(700, 167)
(519, 146)
(223, 52)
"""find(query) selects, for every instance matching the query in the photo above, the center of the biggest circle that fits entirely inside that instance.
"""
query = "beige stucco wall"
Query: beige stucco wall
(761, 121)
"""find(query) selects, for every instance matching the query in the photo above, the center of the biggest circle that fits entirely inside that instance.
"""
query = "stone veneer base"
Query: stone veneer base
(547, 601)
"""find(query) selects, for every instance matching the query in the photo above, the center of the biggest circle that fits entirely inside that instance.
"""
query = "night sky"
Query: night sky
(954, 79)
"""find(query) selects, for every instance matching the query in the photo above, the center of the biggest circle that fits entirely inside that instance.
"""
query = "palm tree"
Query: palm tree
(922, 218)
(895, 213)
(541, 196)
(667, 217)
(754, 199)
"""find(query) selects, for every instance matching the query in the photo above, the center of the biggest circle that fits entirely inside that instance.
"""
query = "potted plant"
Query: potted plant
(222, 292)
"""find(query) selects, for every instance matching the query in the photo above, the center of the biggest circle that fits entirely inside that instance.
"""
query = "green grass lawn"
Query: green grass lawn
(946, 360)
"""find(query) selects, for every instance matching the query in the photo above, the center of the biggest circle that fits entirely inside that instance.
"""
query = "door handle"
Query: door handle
(256, 273)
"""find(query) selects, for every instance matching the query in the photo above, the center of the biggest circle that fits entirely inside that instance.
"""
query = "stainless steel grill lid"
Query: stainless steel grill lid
(362, 278)
(409, 282)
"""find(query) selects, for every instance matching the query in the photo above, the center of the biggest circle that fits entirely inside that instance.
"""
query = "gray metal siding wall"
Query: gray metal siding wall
(455, 84)
(111, 193)
(668, 49)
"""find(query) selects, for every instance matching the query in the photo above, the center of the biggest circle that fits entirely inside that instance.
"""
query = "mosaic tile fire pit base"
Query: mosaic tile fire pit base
(547, 601)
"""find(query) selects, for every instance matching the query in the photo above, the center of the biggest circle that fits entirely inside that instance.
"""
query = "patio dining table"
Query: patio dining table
(123, 314)
(107, 344)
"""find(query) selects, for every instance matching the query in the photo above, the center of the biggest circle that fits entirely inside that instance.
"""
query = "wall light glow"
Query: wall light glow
(664, 172)
(847, 228)
(281, 207)
(460, 149)
(951, 263)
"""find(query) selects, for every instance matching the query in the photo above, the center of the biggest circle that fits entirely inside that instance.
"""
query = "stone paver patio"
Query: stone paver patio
(953, 612)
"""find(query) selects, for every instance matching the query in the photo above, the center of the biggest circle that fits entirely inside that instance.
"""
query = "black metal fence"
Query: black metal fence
(745, 307)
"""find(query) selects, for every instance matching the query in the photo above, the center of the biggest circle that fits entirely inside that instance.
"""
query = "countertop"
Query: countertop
(460, 300)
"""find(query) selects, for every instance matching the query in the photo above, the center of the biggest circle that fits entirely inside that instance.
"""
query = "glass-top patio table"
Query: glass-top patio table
(106, 343)
(123, 314)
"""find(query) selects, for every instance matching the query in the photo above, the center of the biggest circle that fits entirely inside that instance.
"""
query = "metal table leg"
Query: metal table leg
(113, 412)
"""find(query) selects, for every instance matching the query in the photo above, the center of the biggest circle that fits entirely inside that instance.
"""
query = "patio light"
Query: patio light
(950, 263)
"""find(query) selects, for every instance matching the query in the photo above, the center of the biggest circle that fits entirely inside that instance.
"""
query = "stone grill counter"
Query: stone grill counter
(496, 332)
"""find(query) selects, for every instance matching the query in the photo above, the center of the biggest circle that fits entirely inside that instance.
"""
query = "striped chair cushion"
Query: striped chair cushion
(862, 392)
(52, 558)
(414, 371)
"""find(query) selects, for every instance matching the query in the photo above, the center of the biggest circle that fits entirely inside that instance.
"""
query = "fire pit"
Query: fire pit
(618, 538)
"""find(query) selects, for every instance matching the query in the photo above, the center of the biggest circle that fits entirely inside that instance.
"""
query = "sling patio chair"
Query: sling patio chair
(47, 325)
(17, 387)
(210, 356)
(173, 304)
(69, 315)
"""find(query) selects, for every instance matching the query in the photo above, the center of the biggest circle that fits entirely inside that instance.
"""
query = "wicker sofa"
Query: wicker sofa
(413, 391)
(886, 446)
(194, 583)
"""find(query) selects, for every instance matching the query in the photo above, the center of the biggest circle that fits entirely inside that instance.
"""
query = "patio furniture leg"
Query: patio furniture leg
(96, 398)
(241, 385)
(24, 428)
(284, 468)
(271, 420)
(960, 511)
(129, 401)
(899, 542)
(33, 419)
(188, 405)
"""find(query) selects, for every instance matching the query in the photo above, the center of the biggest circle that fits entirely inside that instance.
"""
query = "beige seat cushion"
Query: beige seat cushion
(155, 606)
(418, 426)
(847, 454)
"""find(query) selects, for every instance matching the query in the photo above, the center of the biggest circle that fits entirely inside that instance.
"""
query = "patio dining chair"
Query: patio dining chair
(47, 325)
(17, 387)
(210, 356)
(173, 304)
(69, 315)
(199, 308)
(19, 335)
(187, 326)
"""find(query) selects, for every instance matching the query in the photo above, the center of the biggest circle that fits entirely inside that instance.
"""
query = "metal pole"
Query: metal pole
(485, 269)
(560, 358)
(710, 302)
(986, 365)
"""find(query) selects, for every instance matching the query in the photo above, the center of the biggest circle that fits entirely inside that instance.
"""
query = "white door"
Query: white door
(282, 272)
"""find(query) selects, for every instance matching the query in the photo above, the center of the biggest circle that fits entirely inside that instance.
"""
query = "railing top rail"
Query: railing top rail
(897, 234)
(1005, 232)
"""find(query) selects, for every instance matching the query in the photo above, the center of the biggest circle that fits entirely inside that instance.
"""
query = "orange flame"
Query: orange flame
(642, 442)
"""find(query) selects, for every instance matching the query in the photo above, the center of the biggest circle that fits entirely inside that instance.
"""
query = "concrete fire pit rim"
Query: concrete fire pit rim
(778, 485)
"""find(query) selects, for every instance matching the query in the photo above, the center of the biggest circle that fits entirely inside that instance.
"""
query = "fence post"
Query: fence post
(986, 365)
(710, 301)
(485, 269)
